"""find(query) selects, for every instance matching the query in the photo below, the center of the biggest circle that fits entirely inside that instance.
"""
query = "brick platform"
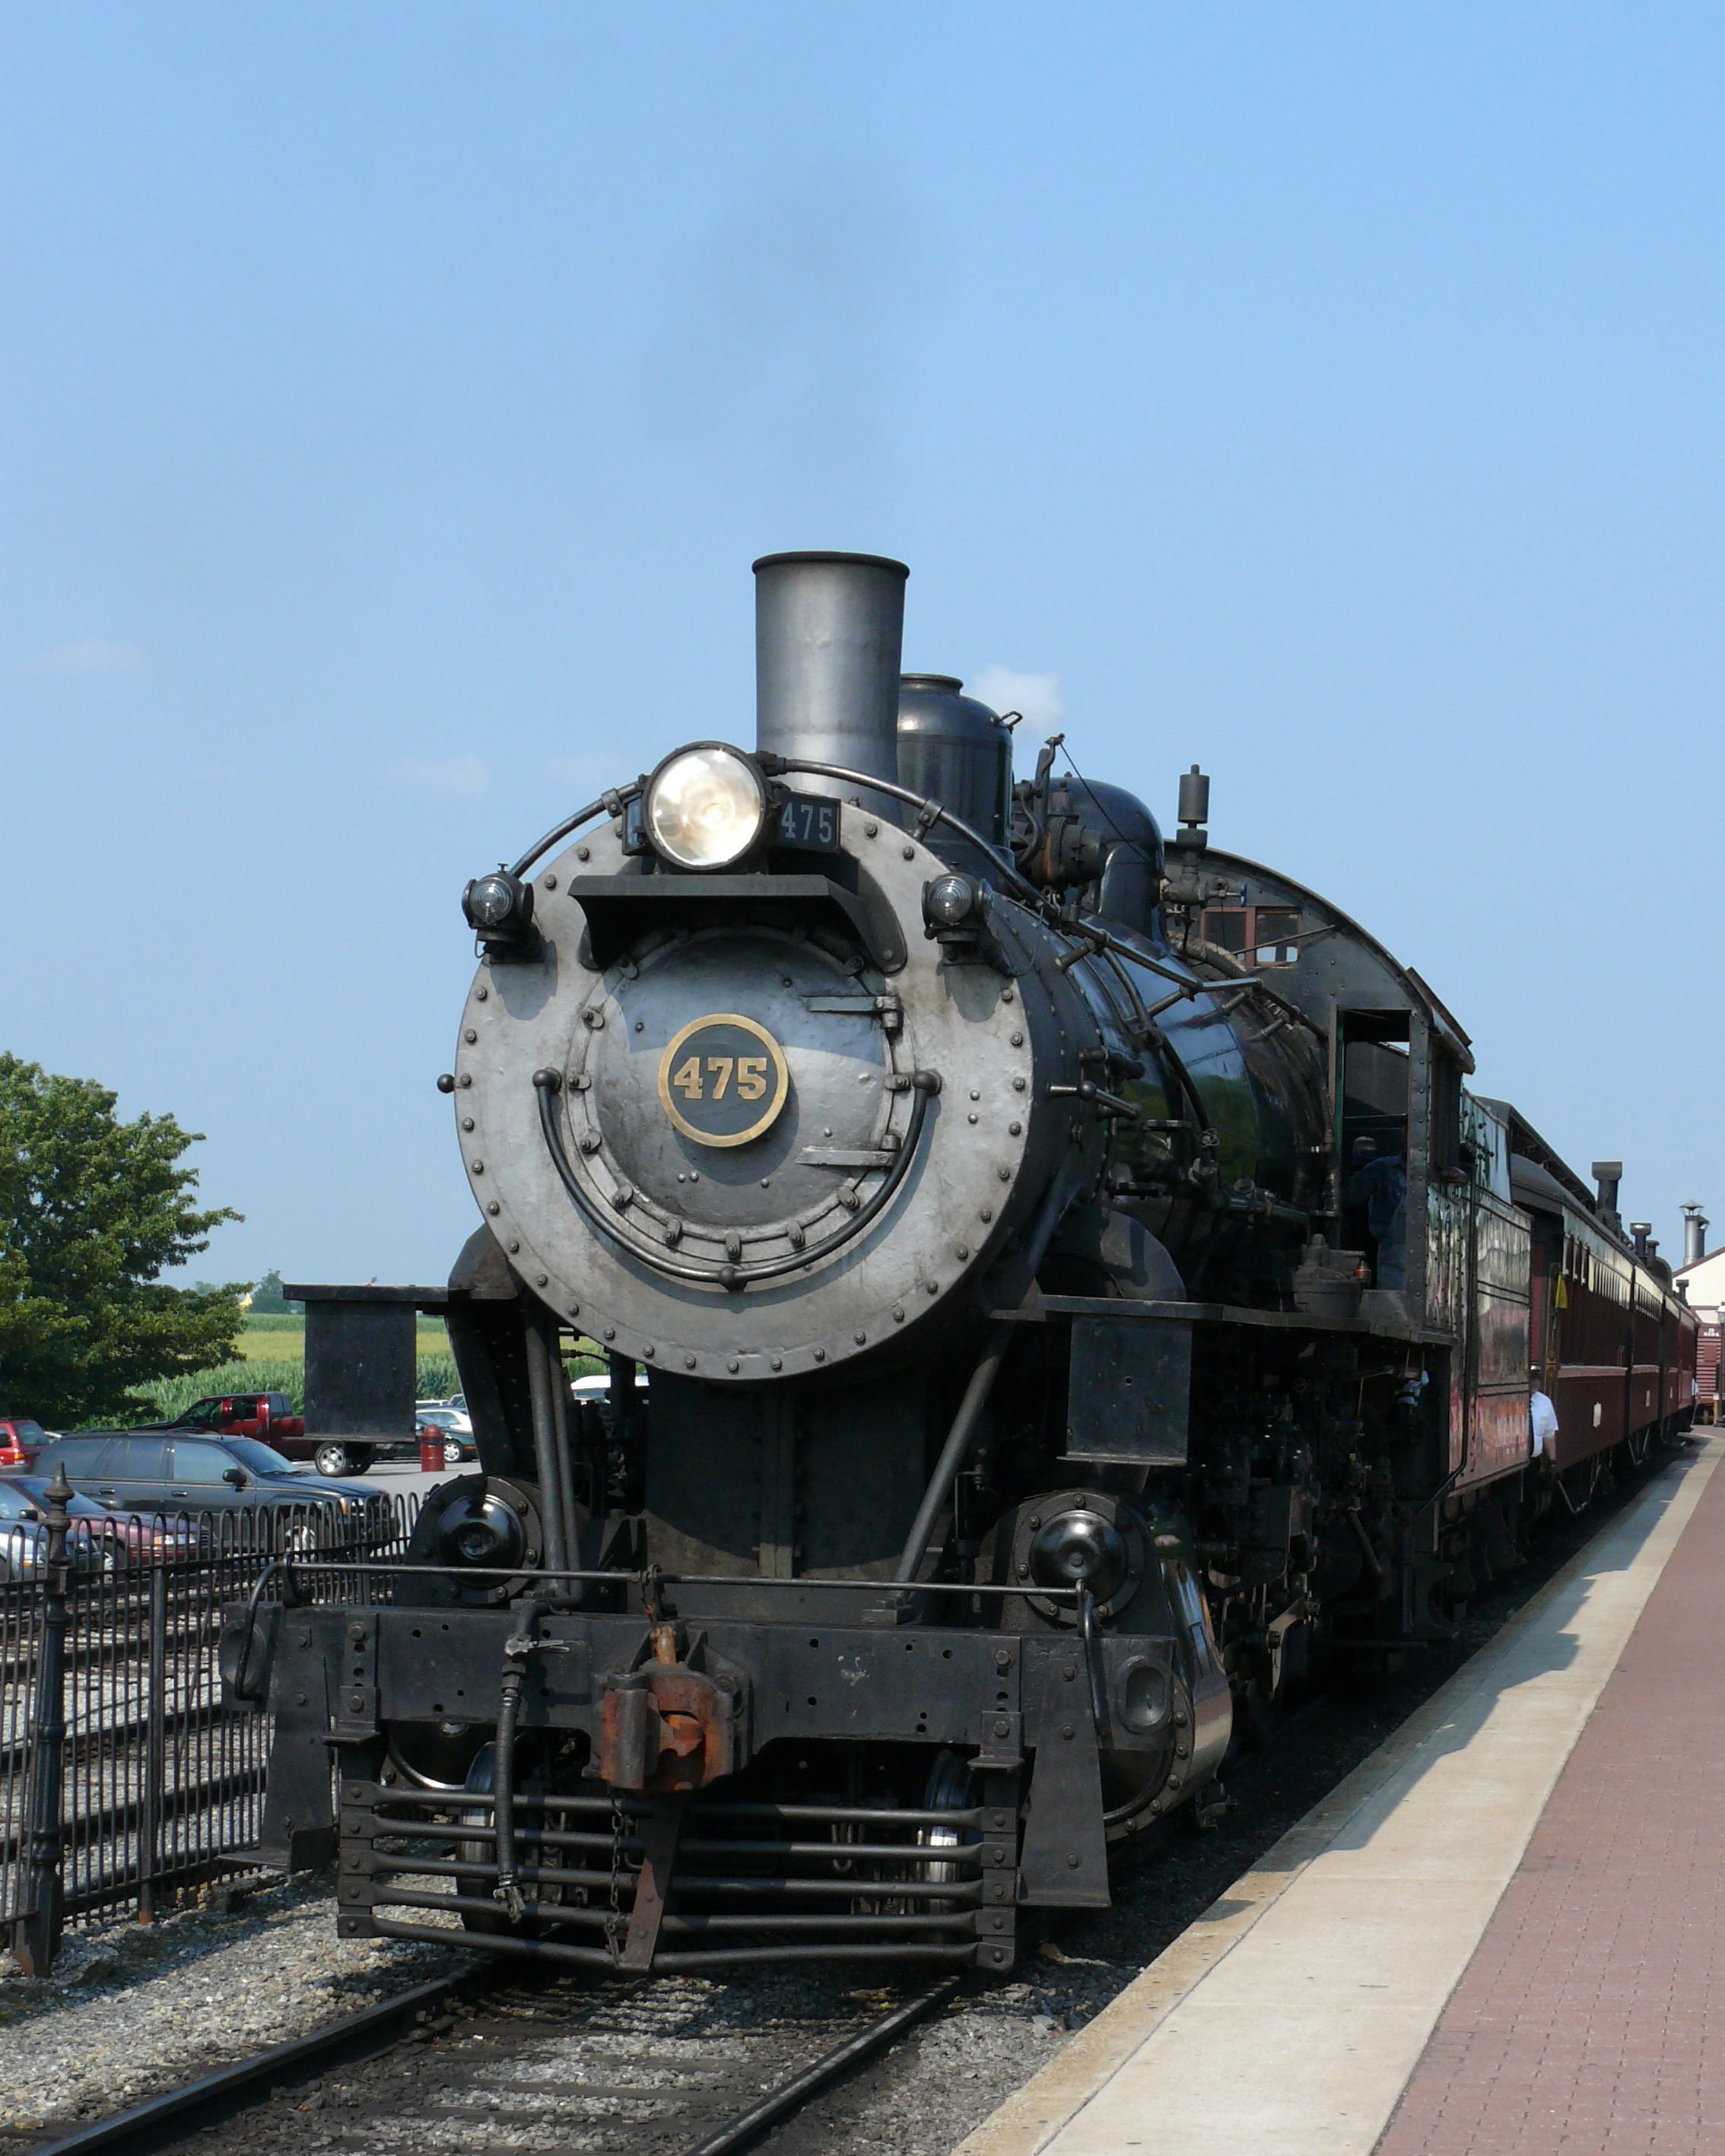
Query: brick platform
(1495, 1938)
(1591, 2019)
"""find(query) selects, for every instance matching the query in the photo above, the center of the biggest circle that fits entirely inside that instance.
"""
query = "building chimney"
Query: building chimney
(1695, 1234)
(1638, 1235)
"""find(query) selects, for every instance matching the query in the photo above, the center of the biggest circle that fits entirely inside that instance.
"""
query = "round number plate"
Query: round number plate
(723, 1080)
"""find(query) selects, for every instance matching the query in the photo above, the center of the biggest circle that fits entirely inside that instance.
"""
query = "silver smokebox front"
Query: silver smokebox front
(829, 637)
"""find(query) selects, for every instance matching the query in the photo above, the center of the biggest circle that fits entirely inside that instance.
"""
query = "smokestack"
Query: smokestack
(1638, 1237)
(1695, 1234)
(828, 638)
(1608, 1174)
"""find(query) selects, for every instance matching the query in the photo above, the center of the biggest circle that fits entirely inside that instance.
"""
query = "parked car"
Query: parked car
(455, 1431)
(597, 1389)
(170, 1472)
(23, 1533)
(20, 1437)
(99, 1540)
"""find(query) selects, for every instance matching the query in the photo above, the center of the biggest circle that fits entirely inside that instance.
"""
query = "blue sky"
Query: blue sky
(394, 398)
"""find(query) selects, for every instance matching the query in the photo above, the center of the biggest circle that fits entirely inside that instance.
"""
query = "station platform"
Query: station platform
(1501, 1936)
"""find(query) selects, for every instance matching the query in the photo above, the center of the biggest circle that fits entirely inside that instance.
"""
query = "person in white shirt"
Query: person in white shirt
(1543, 1417)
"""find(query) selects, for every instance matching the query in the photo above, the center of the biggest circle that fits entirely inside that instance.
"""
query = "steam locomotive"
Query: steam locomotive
(1076, 1292)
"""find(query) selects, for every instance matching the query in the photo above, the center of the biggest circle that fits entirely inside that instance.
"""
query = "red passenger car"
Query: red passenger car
(1614, 1346)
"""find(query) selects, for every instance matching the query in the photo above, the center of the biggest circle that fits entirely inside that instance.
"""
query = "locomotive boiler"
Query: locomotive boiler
(1074, 1289)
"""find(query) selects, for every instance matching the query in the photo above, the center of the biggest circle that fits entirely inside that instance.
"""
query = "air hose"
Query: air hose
(516, 1649)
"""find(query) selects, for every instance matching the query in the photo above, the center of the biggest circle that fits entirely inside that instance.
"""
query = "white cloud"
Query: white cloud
(1037, 695)
(95, 654)
(458, 778)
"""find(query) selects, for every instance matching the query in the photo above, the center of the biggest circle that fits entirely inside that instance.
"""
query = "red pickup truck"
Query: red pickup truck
(268, 1416)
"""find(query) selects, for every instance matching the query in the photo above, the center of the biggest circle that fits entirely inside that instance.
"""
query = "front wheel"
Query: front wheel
(331, 1459)
(452, 1452)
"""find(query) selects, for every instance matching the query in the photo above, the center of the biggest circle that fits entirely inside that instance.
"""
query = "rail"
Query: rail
(178, 2113)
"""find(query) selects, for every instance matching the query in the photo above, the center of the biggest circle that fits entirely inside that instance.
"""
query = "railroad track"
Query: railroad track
(494, 2033)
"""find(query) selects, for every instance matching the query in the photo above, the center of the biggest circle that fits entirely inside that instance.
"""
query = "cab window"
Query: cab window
(1260, 935)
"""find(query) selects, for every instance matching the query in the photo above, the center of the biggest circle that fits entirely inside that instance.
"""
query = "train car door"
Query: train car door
(1500, 1347)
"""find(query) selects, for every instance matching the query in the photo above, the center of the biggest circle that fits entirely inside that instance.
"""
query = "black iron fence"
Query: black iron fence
(124, 1780)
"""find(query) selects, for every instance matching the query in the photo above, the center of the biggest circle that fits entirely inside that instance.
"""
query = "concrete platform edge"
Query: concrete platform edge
(1029, 2120)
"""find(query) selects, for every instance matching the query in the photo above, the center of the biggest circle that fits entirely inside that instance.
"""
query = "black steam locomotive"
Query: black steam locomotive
(1073, 1288)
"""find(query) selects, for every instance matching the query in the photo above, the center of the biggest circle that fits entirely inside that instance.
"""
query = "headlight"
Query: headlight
(704, 806)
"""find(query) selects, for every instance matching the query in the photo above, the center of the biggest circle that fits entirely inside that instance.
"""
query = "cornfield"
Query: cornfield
(172, 1396)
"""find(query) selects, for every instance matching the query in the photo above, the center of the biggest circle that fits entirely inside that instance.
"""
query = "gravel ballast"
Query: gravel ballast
(133, 2009)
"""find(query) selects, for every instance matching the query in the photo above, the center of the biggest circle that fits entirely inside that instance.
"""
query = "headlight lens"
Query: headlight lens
(705, 808)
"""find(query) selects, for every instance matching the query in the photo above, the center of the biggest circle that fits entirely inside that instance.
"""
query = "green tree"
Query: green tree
(269, 1300)
(92, 1210)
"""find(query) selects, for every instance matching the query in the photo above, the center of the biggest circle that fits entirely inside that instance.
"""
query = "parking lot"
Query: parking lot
(398, 1476)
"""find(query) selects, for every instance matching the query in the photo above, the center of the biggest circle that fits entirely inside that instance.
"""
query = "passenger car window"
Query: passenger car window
(202, 1464)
